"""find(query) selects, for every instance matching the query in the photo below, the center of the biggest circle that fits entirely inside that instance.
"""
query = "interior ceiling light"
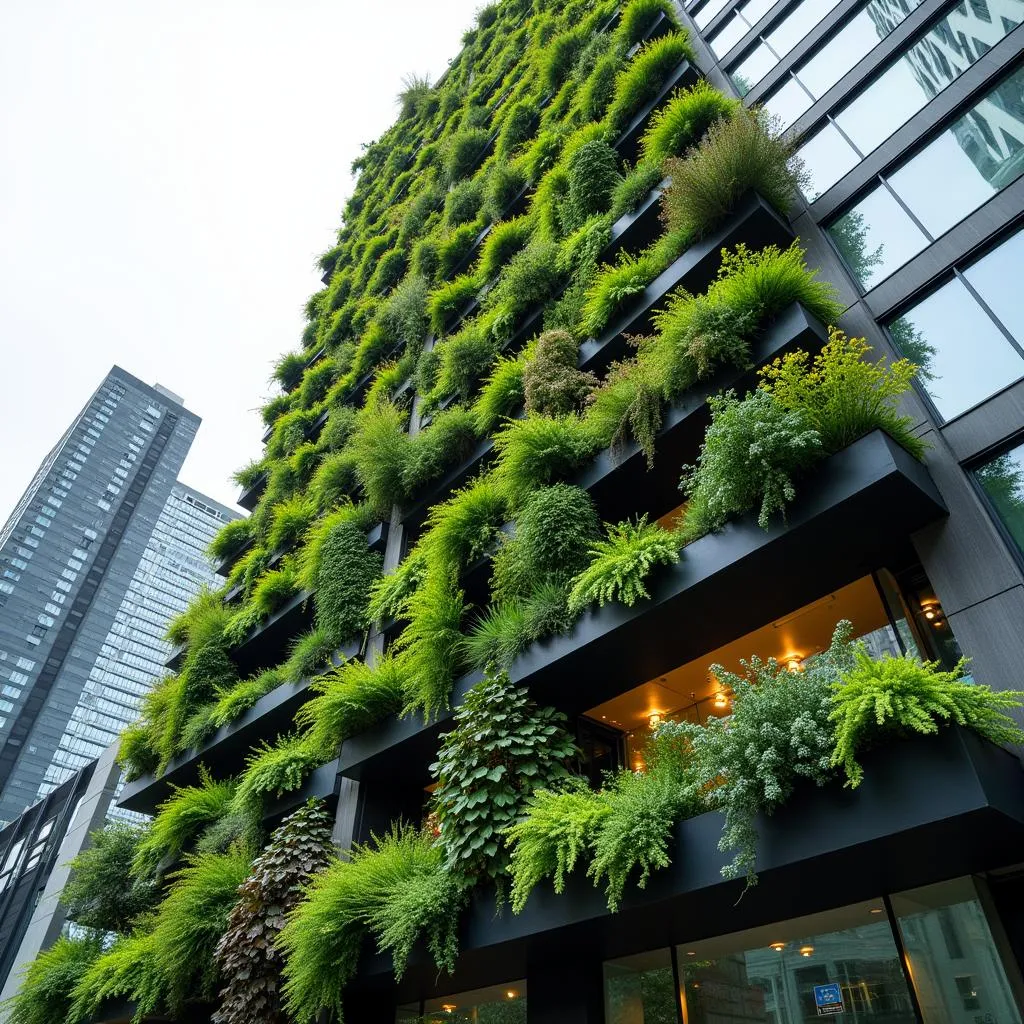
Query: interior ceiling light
(655, 718)
(510, 994)
(778, 946)
(806, 950)
(793, 662)
(721, 700)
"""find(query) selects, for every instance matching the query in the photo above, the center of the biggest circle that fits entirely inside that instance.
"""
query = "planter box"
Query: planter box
(322, 784)
(637, 230)
(252, 494)
(930, 808)
(873, 490)
(628, 143)
(271, 716)
(753, 222)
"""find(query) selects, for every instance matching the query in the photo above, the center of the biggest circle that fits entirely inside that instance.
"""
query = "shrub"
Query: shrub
(738, 155)
(455, 248)
(579, 252)
(288, 370)
(128, 969)
(310, 653)
(593, 175)
(554, 530)
(465, 526)
(449, 300)
(390, 594)
(281, 767)
(560, 56)
(614, 285)
(230, 539)
(552, 385)
(874, 698)
(244, 695)
(683, 121)
(778, 733)
(345, 569)
(426, 258)
(539, 450)
(634, 188)
(751, 452)
(504, 182)
(275, 409)
(516, 129)
(380, 450)
(272, 590)
(621, 564)
(247, 957)
(463, 359)
(642, 79)
(394, 888)
(598, 90)
(416, 91)
(530, 278)
(637, 18)
(501, 244)
(45, 994)
(463, 202)
(463, 153)
(842, 395)
(179, 820)
(335, 479)
(405, 314)
(501, 394)
(502, 748)
(446, 442)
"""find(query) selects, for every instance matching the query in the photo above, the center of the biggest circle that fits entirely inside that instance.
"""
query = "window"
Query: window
(931, 63)
(1002, 480)
(966, 336)
(79, 553)
(45, 620)
(52, 608)
(778, 42)
(707, 13)
(6, 588)
(69, 574)
(36, 532)
(105, 505)
(11, 691)
(63, 585)
(73, 563)
(505, 1003)
(26, 663)
(19, 563)
(934, 190)
(744, 18)
(19, 677)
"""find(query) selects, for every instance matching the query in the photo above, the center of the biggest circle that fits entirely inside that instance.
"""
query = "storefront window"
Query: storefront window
(641, 990)
(496, 1004)
(957, 971)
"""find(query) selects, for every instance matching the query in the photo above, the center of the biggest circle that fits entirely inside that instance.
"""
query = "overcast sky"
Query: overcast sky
(168, 175)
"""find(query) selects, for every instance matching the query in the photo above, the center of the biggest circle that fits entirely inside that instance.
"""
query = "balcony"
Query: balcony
(954, 795)
(872, 492)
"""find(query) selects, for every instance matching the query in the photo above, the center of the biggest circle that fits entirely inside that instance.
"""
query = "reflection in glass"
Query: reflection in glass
(707, 13)
(826, 156)
(996, 277)
(876, 237)
(935, 60)
(640, 989)
(962, 355)
(954, 962)
(728, 35)
(1003, 481)
(496, 1004)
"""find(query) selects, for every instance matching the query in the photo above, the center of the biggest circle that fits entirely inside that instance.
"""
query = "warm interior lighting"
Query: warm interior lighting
(691, 952)
(793, 662)
(449, 1007)
(875, 910)
(721, 701)
(806, 950)
(510, 994)
(778, 946)
(655, 718)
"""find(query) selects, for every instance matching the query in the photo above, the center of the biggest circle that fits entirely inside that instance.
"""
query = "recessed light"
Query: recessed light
(778, 946)
(806, 950)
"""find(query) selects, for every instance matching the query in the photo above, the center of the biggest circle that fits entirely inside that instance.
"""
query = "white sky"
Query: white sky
(169, 172)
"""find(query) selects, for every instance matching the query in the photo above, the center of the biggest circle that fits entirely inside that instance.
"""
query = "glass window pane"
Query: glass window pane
(956, 967)
(755, 10)
(728, 35)
(826, 156)
(876, 237)
(963, 356)
(997, 279)
(640, 989)
(707, 13)
(788, 103)
(496, 1004)
(792, 29)
(747, 74)
(1003, 481)
(770, 973)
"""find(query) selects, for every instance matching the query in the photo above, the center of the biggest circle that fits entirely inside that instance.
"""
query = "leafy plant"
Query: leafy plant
(502, 748)
(395, 889)
(463, 153)
(634, 188)
(501, 394)
(682, 122)
(128, 969)
(280, 767)
(463, 359)
(103, 893)
(504, 182)
(247, 957)
(344, 570)
(501, 244)
(842, 395)
(738, 154)
(593, 175)
(449, 300)
(620, 565)
(641, 80)
(613, 286)
(44, 996)
(463, 202)
(638, 16)
(552, 385)
(877, 697)
(751, 452)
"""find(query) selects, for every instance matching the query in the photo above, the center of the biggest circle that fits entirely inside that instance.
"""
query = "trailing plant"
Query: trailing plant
(634, 188)
(502, 748)
(310, 653)
(621, 565)
(44, 996)
(876, 698)
(127, 969)
(500, 245)
(103, 893)
(614, 285)
(449, 300)
(280, 767)
(463, 359)
(504, 182)
(247, 957)
(395, 889)
(502, 392)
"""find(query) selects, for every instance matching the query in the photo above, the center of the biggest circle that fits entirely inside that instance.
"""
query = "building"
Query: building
(173, 568)
(68, 554)
(899, 900)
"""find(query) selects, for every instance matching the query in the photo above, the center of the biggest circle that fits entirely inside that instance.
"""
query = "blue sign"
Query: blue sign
(828, 998)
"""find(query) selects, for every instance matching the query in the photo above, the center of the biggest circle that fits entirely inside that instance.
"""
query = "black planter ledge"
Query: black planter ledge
(271, 716)
(322, 784)
(754, 222)
(873, 490)
(252, 494)
(929, 808)
(627, 145)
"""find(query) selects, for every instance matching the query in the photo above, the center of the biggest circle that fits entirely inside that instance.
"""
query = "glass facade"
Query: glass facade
(931, 63)
(966, 336)
(1002, 479)
(845, 963)
(496, 1004)
(969, 162)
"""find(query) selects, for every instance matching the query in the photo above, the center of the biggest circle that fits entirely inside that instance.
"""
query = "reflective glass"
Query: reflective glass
(826, 156)
(640, 989)
(1003, 481)
(876, 237)
(728, 36)
(788, 102)
(707, 13)
(997, 280)
(962, 355)
(956, 967)
(747, 74)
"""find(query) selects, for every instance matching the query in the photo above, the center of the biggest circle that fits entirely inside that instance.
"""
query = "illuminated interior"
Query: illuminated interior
(690, 691)
(505, 1003)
